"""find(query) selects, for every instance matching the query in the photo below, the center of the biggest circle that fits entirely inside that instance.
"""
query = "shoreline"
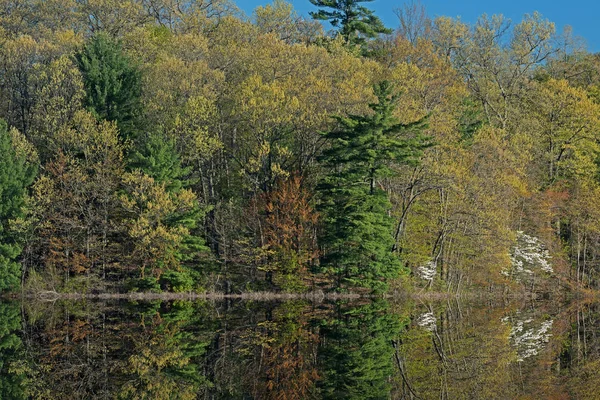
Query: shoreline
(315, 296)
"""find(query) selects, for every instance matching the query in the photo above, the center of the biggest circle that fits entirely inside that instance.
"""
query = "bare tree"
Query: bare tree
(414, 22)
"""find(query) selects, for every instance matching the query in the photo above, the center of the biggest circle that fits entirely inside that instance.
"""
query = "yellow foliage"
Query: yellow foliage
(149, 205)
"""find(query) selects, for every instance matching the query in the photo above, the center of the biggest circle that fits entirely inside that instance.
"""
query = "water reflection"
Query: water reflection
(12, 368)
(298, 350)
(527, 335)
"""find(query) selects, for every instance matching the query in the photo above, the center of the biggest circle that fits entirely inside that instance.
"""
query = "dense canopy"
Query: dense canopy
(179, 145)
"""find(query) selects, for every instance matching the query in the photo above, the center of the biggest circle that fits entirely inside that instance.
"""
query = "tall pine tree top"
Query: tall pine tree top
(112, 83)
(369, 144)
(354, 22)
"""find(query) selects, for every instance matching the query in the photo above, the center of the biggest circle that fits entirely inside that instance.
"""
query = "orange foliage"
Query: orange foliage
(289, 374)
(288, 238)
(60, 255)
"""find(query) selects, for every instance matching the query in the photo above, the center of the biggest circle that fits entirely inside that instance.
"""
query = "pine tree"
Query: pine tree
(357, 232)
(16, 174)
(13, 379)
(355, 23)
(158, 158)
(112, 83)
(158, 163)
(356, 360)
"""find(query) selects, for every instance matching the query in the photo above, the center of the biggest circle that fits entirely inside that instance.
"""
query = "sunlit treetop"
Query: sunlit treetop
(354, 22)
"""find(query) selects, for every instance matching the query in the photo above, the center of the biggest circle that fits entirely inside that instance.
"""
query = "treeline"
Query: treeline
(180, 145)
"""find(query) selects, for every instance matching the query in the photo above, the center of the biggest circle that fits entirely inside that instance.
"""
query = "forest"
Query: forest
(179, 145)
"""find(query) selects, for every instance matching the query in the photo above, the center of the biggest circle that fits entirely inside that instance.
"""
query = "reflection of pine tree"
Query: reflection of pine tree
(357, 354)
(11, 380)
(167, 354)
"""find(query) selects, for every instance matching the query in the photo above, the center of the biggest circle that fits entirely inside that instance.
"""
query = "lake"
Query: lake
(351, 349)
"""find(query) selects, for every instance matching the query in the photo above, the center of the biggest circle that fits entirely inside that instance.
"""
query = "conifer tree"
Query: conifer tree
(16, 174)
(357, 232)
(356, 360)
(158, 158)
(112, 83)
(354, 22)
(13, 381)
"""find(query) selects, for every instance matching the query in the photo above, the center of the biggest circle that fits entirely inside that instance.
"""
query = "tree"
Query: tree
(356, 357)
(112, 17)
(159, 159)
(415, 24)
(58, 93)
(158, 225)
(74, 202)
(112, 83)
(16, 174)
(354, 22)
(357, 233)
(496, 61)
(187, 15)
(287, 234)
(281, 19)
(565, 121)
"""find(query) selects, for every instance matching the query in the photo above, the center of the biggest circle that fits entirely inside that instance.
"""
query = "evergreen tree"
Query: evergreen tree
(471, 120)
(357, 233)
(16, 174)
(13, 381)
(112, 83)
(356, 359)
(354, 22)
(158, 158)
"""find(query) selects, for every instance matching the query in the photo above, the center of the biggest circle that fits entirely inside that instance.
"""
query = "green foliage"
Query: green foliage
(112, 83)
(354, 22)
(357, 360)
(12, 380)
(16, 174)
(147, 284)
(195, 117)
(168, 350)
(160, 225)
(357, 232)
(158, 158)
(470, 121)
(176, 281)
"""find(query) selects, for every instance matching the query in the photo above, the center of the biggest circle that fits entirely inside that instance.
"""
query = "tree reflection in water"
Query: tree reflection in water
(298, 350)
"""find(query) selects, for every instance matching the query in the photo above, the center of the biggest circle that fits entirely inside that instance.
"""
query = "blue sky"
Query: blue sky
(582, 15)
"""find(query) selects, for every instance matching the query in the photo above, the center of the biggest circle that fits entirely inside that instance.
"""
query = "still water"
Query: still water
(299, 350)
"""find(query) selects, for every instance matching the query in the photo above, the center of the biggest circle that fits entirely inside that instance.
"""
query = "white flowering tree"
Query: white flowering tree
(427, 272)
(528, 336)
(427, 321)
(528, 257)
